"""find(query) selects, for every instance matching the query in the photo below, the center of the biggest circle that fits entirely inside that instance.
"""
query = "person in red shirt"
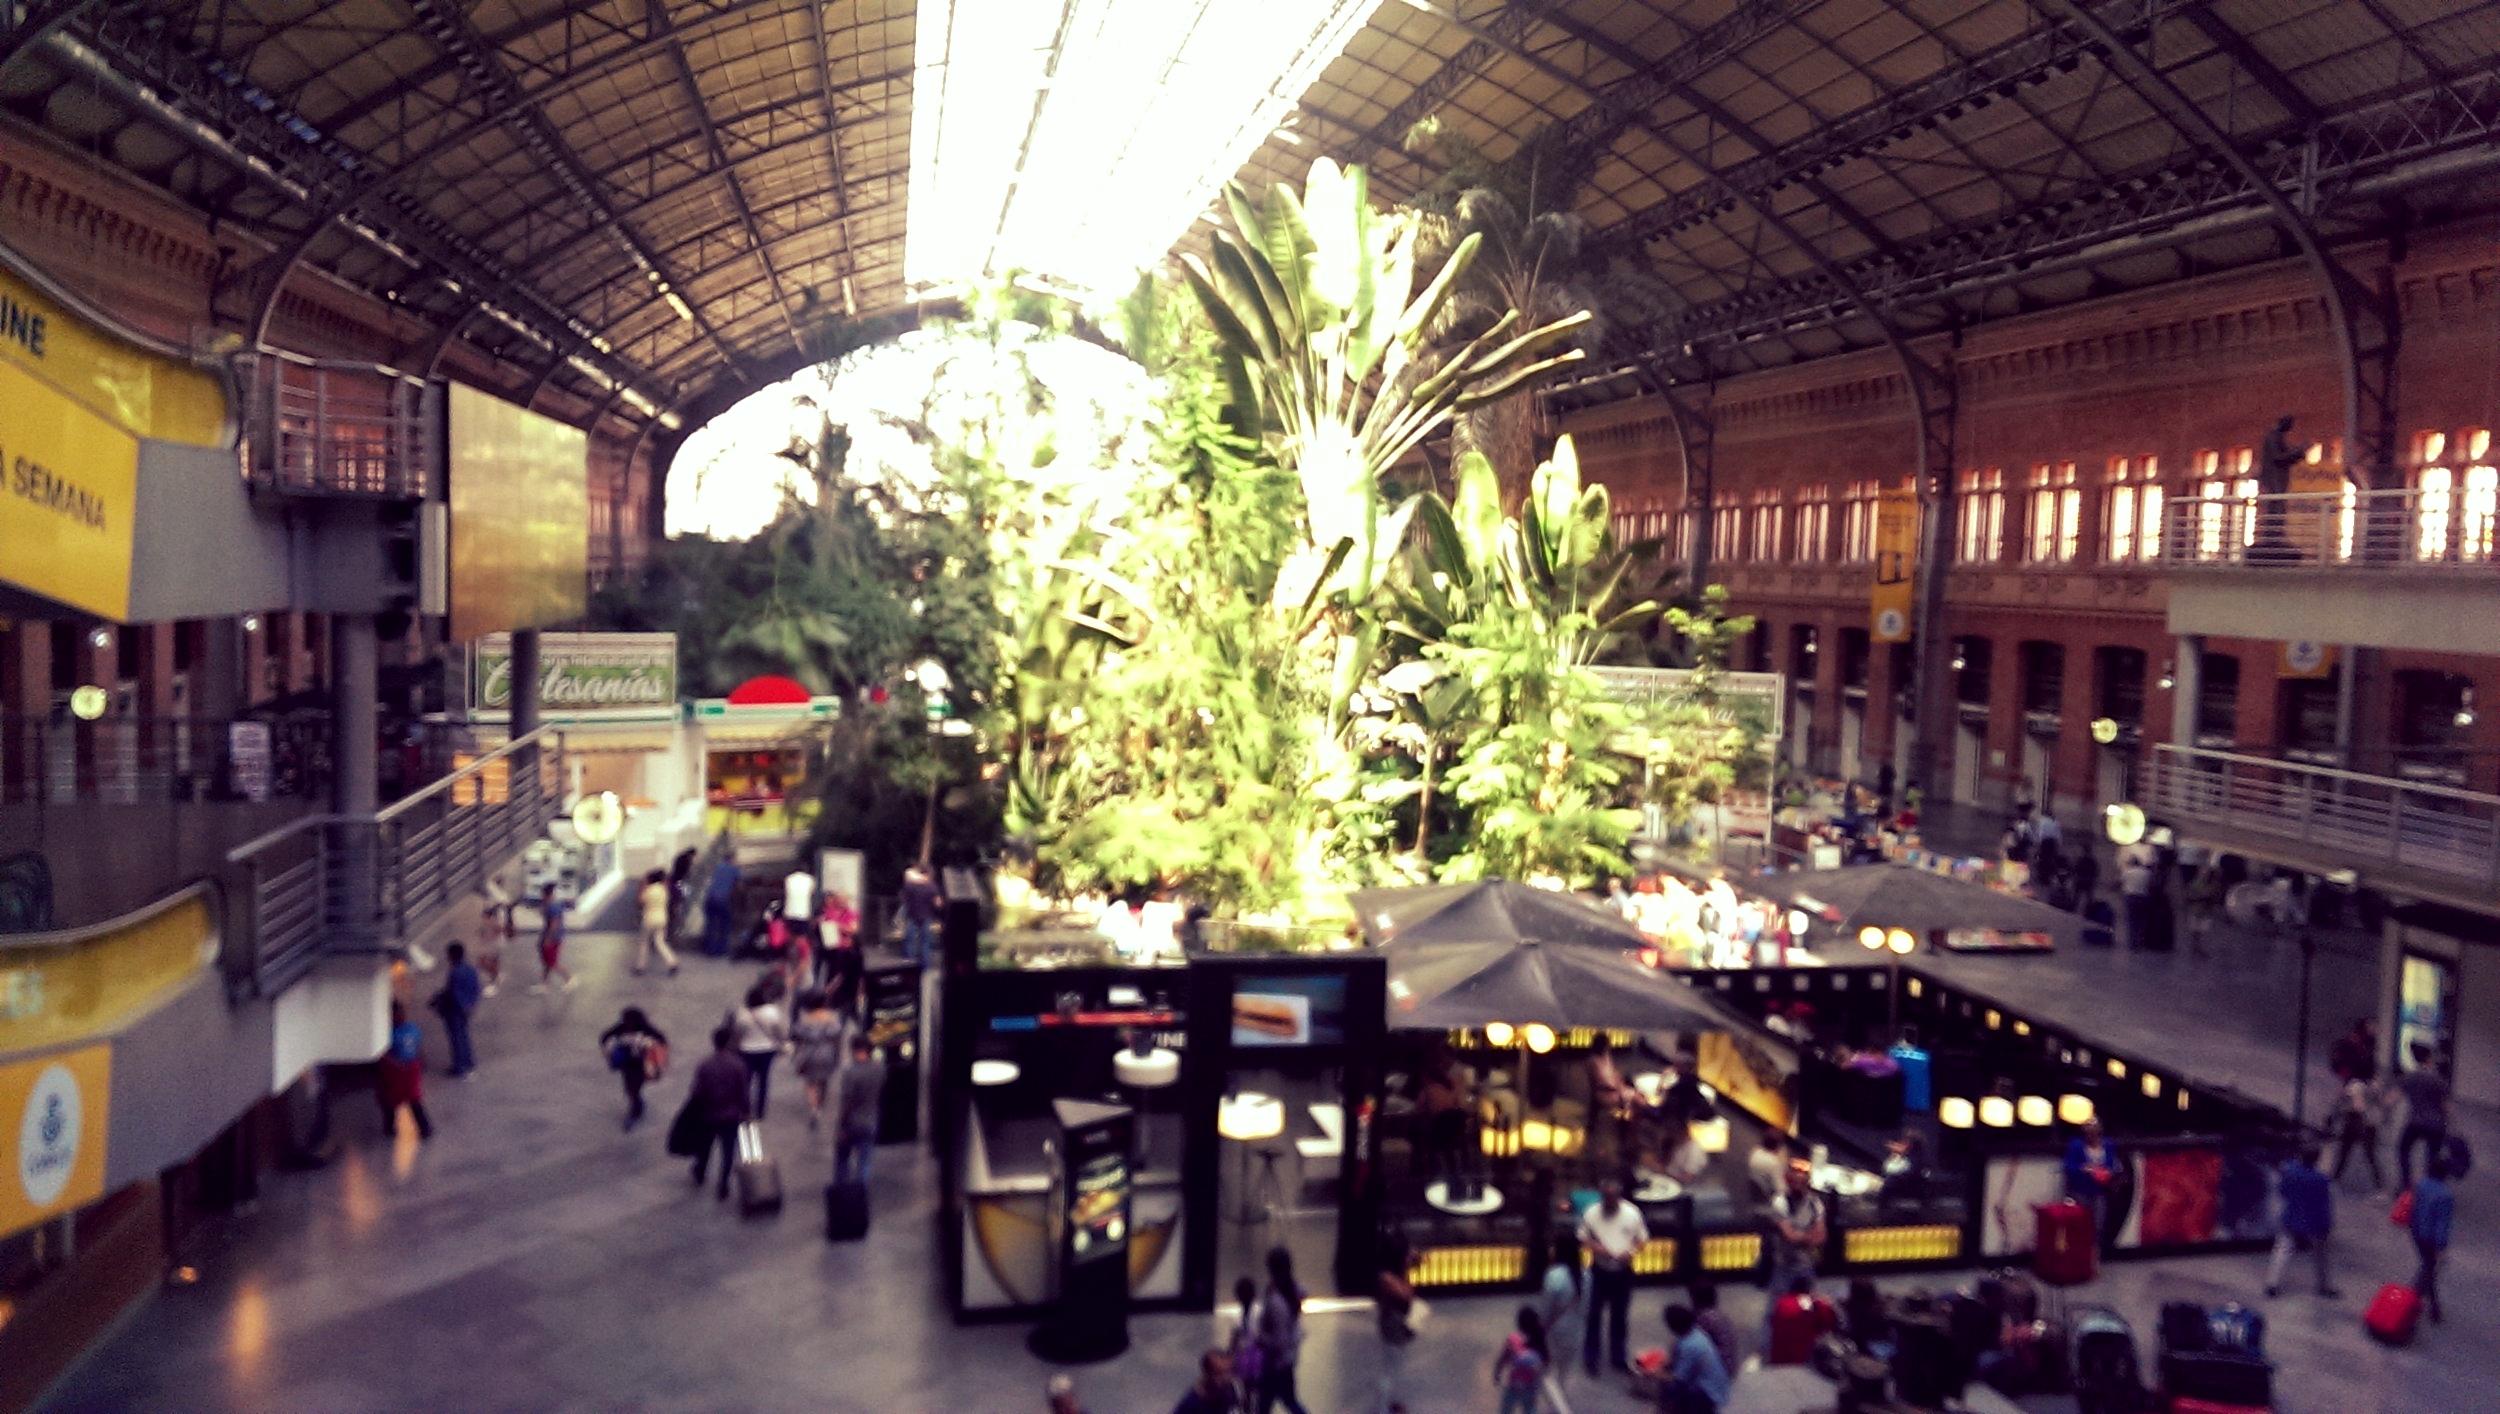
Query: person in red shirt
(1798, 1320)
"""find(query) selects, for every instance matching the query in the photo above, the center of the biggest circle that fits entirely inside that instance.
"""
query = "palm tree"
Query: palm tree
(1531, 264)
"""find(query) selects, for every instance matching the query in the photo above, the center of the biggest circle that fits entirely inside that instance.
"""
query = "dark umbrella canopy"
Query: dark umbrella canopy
(1464, 955)
(1493, 910)
(1897, 896)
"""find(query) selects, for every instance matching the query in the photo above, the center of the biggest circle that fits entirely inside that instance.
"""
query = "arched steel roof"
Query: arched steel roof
(662, 203)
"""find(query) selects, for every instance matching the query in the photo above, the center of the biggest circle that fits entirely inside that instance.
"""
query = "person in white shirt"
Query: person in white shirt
(1612, 1233)
(1158, 925)
(2139, 866)
(798, 902)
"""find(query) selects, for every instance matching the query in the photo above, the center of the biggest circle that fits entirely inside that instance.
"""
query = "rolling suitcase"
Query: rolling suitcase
(2066, 1254)
(2394, 1313)
(2100, 925)
(2222, 1377)
(846, 1211)
(758, 1177)
(1917, 1076)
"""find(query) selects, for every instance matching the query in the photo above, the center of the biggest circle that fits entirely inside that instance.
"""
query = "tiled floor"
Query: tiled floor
(533, 1257)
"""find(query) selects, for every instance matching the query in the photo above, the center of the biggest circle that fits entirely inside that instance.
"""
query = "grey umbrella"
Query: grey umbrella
(1842, 901)
(1465, 955)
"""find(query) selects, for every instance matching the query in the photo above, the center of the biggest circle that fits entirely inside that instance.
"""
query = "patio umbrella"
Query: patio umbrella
(1841, 901)
(1464, 955)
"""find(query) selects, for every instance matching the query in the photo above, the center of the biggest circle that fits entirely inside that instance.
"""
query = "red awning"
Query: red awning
(768, 691)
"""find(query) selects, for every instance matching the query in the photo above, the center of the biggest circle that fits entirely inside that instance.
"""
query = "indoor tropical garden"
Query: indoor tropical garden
(1254, 588)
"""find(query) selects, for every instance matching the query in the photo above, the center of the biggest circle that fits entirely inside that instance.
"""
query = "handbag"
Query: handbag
(2402, 1214)
(654, 1060)
(688, 1136)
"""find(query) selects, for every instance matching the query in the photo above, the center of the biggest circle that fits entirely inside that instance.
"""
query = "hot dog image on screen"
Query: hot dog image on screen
(1289, 1011)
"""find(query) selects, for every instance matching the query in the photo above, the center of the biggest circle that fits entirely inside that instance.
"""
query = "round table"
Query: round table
(1486, 1202)
(1656, 1188)
(1246, 1119)
(1846, 1182)
(986, 1073)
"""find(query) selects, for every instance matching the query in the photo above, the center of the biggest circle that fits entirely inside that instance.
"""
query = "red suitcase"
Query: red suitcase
(2182, 1405)
(2393, 1313)
(2066, 1254)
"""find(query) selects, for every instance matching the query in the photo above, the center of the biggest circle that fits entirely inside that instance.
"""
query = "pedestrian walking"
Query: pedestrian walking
(2426, 1112)
(637, 1051)
(2308, 1220)
(720, 908)
(455, 1003)
(1519, 1366)
(1798, 1231)
(498, 931)
(816, 1049)
(1561, 1302)
(680, 880)
(921, 901)
(399, 1078)
(2356, 1129)
(717, 1106)
(1060, 1393)
(1697, 1381)
(2086, 874)
(1393, 1297)
(655, 924)
(551, 911)
(761, 1032)
(2204, 905)
(2434, 1213)
(1611, 1234)
(1240, 1344)
(1279, 1334)
(2139, 869)
(860, 1100)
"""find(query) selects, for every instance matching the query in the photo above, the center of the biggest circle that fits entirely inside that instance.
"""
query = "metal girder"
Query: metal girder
(26, 23)
(1949, 92)
(450, 30)
(833, 154)
(222, 112)
(2277, 84)
(660, 25)
(1485, 44)
(2371, 151)
(1934, 402)
(2363, 312)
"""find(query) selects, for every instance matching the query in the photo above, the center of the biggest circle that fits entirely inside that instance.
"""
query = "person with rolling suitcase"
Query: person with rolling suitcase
(2434, 1214)
(859, 1094)
(719, 1106)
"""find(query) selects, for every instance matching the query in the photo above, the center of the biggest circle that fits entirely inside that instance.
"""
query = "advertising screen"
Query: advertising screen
(1289, 1011)
(520, 517)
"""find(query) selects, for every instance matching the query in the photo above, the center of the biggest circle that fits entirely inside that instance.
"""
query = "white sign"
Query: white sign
(47, 1135)
(581, 674)
(247, 758)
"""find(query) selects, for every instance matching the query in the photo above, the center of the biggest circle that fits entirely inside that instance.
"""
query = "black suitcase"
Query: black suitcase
(2100, 925)
(2185, 1327)
(758, 1178)
(2162, 924)
(846, 1211)
(2218, 1377)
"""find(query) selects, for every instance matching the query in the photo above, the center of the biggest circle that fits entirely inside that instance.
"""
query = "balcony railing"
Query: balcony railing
(2368, 820)
(325, 429)
(347, 884)
(2424, 528)
(59, 760)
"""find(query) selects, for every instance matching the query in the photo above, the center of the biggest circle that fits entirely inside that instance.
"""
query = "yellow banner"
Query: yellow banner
(1896, 563)
(144, 394)
(53, 1113)
(69, 484)
(76, 991)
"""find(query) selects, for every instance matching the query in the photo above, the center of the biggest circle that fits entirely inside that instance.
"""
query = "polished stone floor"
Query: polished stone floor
(532, 1256)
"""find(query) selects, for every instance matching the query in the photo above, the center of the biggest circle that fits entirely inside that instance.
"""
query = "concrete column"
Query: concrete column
(354, 695)
(2347, 676)
(2187, 687)
(218, 687)
(525, 673)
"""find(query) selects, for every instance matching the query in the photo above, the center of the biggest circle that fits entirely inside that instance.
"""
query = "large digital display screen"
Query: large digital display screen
(520, 517)
(1289, 1011)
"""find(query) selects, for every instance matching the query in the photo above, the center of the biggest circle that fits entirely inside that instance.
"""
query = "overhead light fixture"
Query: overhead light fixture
(2034, 1110)
(100, 638)
(1901, 941)
(1954, 1112)
(1996, 1112)
(2169, 674)
(2105, 730)
(1871, 938)
(2123, 822)
(2465, 709)
(1540, 1037)
(88, 702)
(1960, 660)
(2075, 1109)
(677, 302)
(1078, 140)
(1499, 1033)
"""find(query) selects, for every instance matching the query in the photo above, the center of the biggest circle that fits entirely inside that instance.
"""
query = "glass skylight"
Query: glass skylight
(1079, 140)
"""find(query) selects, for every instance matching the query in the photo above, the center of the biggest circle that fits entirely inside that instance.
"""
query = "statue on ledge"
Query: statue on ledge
(2277, 457)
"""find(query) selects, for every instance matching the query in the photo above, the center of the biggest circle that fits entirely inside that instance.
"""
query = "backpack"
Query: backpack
(2460, 1156)
(1527, 1366)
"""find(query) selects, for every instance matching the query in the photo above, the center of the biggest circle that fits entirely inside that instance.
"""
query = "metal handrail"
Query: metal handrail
(2381, 820)
(335, 884)
(2452, 529)
(320, 427)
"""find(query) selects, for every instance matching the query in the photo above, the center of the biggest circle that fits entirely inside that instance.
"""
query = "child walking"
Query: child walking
(1519, 1371)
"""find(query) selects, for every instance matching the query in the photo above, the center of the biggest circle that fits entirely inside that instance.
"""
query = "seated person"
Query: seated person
(1697, 1379)
(1865, 1319)
(1687, 1161)
(1609, 1092)
(1798, 1320)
